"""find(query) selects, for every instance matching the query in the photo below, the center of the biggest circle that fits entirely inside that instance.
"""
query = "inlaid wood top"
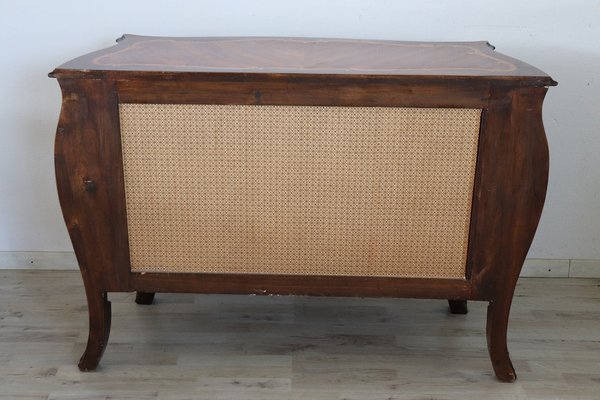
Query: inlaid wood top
(307, 56)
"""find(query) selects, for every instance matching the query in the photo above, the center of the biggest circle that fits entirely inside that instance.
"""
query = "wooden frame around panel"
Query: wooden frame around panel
(509, 189)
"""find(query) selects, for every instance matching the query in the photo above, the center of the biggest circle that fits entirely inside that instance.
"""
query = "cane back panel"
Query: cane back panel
(318, 190)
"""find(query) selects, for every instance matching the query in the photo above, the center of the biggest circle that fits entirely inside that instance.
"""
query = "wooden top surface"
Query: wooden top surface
(305, 56)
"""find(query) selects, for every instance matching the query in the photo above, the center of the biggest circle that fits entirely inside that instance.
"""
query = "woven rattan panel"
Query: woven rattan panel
(362, 191)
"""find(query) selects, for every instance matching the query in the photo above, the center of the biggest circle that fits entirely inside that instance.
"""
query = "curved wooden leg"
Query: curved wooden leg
(458, 306)
(99, 330)
(145, 298)
(497, 324)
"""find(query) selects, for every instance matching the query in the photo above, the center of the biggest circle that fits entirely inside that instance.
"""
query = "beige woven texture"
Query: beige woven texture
(359, 191)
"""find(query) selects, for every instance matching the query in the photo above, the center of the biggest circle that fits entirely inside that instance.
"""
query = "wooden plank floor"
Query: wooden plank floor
(250, 347)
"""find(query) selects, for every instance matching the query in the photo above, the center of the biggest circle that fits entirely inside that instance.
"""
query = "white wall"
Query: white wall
(560, 37)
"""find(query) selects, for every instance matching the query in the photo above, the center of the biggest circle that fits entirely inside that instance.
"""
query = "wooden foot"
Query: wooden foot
(99, 330)
(458, 306)
(145, 298)
(497, 324)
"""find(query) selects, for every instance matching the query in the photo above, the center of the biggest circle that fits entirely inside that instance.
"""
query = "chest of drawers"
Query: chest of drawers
(294, 166)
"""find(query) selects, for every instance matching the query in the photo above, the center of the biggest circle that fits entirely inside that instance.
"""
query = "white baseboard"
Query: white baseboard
(38, 260)
(585, 269)
(533, 267)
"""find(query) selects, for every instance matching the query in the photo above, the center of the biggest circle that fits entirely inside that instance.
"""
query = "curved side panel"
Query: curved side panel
(513, 176)
(510, 197)
(90, 188)
(89, 177)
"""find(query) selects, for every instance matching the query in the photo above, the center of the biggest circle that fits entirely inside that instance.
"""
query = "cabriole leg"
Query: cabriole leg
(497, 324)
(99, 330)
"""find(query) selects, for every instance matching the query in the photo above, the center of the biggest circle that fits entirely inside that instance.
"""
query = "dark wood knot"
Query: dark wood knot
(89, 185)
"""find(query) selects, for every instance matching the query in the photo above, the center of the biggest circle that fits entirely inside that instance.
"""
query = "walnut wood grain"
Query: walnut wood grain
(521, 177)
(145, 56)
(510, 179)
(99, 311)
(311, 285)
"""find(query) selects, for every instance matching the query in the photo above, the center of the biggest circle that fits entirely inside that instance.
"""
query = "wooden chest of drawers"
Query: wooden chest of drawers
(301, 166)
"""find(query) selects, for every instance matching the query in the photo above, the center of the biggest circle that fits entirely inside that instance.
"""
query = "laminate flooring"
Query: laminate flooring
(254, 347)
